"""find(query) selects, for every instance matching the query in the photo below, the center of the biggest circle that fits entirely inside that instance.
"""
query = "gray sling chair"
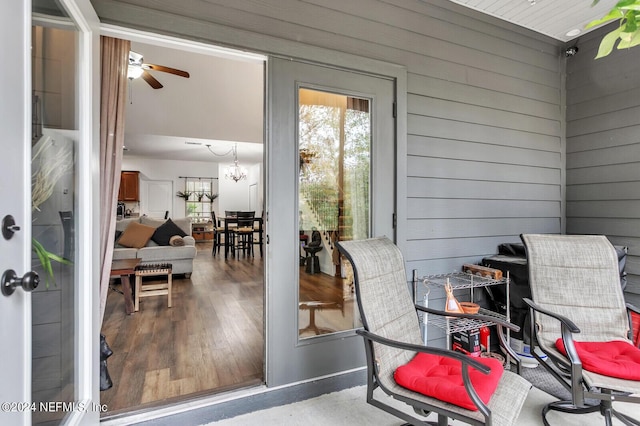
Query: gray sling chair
(577, 296)
(392, 338)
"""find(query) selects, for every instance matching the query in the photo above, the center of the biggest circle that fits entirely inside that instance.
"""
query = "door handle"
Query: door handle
(9, 227)
(10, 281)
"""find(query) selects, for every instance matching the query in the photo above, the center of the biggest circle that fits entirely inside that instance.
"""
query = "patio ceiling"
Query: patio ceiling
(563, 20)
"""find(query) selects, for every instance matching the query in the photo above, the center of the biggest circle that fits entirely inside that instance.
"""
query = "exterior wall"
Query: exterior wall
(485, 147)
(485, 119)
(603, 149)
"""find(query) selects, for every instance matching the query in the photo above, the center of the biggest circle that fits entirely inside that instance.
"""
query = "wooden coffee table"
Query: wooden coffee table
(124, 268)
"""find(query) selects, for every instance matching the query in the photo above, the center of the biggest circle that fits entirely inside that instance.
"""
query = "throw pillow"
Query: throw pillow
(136, 235)
(441, 377)
(176, 241)
(164, 232)
(118, 233)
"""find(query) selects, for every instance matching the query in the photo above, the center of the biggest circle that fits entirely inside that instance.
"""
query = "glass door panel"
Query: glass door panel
(53, 166)
(334, 142)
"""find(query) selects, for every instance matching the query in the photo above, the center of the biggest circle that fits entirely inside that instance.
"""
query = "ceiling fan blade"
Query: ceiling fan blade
(166, 69)
(151, 80)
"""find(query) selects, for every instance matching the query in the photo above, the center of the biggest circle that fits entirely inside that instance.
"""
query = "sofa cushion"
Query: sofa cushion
(136, 235)
(125, 253)
(166, 253)
(164, 232)
(151, 221)
(122, 224)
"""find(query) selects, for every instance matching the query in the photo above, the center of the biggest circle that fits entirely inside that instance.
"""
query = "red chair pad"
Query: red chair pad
(613, 359)
(441, 377)
(636, 328)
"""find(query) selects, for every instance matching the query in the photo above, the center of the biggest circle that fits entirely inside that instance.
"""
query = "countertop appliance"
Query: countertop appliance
(120, 210)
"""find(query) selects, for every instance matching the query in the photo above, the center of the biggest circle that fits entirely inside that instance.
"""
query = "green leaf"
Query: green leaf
(632, 41)
(45, 257)
(41, 252)
(612, 15)
(624, 3)
(608, 42)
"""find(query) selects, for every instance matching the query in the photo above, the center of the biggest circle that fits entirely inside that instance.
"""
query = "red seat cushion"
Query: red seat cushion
(613, 359)
(636, 328)
(441, 377)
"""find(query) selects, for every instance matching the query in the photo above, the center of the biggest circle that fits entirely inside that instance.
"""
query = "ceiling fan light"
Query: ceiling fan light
(134, 72)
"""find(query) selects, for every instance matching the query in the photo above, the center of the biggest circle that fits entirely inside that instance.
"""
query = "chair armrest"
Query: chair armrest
(567, 328)
(189, 240)
(564, 320)
(465, 359)
(481, 317)
(633, 308)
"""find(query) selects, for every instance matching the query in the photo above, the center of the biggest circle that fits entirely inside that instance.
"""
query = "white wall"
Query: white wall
(236, 194)
(232, 195)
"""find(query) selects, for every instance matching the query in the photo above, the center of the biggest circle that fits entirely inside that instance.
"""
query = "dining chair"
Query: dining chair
(218, 234)
(258, 228)
(243, 232)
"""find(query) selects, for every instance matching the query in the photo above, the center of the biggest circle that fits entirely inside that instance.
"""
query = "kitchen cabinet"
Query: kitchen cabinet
(129, 186)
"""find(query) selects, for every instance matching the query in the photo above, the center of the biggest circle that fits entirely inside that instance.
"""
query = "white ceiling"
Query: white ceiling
(554, 18)
(220, 104)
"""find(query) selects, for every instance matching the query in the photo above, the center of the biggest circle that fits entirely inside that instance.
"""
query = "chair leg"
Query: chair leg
(625, 419)
(566, 407)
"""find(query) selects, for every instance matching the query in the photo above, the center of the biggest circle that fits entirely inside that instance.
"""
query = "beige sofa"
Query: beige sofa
(181, 257)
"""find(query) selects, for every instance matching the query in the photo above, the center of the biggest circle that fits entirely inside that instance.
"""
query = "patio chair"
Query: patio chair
(393, 341)
(581, 323)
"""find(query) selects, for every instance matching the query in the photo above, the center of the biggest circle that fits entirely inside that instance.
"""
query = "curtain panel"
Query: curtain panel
(113, 90)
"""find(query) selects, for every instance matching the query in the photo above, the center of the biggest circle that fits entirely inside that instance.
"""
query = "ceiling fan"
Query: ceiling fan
(137, 68)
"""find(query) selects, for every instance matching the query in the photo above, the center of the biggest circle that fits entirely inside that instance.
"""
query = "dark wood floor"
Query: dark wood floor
(212, 338)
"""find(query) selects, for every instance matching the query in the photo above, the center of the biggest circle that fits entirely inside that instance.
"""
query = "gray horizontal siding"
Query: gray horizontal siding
(603, 148)
(485, 129)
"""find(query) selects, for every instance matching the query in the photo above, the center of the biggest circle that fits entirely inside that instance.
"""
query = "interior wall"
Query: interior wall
(232, 195)
(154, 169)
(603, 149)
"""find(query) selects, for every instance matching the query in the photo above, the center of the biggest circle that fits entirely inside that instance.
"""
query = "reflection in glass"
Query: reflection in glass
(53, 152)
(334, 141)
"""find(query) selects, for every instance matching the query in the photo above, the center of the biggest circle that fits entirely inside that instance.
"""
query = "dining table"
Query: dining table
(229, 223)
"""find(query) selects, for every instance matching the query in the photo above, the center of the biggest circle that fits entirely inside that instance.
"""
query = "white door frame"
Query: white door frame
(15, 383)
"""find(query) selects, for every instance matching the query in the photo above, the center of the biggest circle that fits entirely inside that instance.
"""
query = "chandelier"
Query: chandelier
(235, 172)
